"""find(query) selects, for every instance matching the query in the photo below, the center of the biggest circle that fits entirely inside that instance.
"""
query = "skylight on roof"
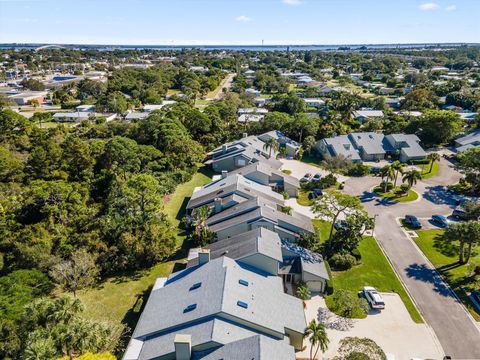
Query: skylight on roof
(190, 307)
(243, 282)
(242, 304)
(195, 286)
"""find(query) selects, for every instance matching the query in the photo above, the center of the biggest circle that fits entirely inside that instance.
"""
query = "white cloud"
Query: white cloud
(243, 18)
(451, 8)
(428, 6)
(292, 2)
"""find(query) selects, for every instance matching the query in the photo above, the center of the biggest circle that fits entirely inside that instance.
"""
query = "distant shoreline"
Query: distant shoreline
(241, 47)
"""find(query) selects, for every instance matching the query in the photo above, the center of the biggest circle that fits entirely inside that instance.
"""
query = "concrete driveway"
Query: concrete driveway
(455, 328)
(392, 329)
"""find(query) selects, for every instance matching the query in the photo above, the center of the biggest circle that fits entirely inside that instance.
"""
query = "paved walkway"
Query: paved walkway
(453, 325)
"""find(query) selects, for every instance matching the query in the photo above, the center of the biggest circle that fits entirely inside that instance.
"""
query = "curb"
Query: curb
(430, 329)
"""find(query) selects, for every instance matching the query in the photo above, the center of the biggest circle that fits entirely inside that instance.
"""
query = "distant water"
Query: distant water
(245, 47)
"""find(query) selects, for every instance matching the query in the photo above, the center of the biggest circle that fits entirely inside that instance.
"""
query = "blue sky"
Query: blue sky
(179, 22)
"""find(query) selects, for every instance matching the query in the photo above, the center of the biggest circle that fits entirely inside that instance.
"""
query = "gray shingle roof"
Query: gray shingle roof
(217, 316)
(311, 262)
(260, 240)
(370, 142)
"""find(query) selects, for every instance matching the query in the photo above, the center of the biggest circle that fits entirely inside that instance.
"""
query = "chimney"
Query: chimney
(224, 149)
(183, 347)
(217, 205)
(244, 135)
(203, 256)
(224, 174)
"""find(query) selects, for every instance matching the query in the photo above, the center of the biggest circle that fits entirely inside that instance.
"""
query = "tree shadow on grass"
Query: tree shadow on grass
(445, 247)
(427, 275)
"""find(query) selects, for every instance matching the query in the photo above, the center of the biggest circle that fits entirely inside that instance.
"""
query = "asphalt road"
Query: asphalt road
(455, 329)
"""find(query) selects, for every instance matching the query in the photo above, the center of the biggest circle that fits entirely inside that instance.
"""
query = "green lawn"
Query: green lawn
(302, 198)
(375, 270)
(425, 169)
(322, 228)
(397, 196)
(444, 257)
(176, 203)
(115, 298)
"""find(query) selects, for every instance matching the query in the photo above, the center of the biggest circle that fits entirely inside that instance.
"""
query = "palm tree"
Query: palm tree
(200, 217)
(271, 144)
(317, 335)
(411, 177)
(386, 172)
(397, 166)
(433, 157)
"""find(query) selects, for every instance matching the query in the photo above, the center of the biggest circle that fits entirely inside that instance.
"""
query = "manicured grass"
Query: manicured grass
(444, 256)
(322, 228)
(176, 203)
(311, 160)
(397, 196)
(54, 124)
(425, 169)
(374, 270)
(302, 198)
(113, 299)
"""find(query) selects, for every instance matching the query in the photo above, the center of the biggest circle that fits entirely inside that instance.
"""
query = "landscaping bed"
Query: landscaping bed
(396, 194)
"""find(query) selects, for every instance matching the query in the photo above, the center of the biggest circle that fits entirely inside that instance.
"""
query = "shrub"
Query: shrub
(342, 261)
(285, 195)
(404, 188)
(347, 304)
(356, 254)
(389, 186)
(358, 169)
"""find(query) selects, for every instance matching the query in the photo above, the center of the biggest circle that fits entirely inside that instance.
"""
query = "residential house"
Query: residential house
(259, 212)
(237, 154)
(408, 145)
(370, 146)
(367, 114)
(216, 309)
(85, 108)
(264, 174)
(27, 97)
(314, 102)
(229, 191)
(79, 116)
(291, 146)
(263, 249)
(469, 141)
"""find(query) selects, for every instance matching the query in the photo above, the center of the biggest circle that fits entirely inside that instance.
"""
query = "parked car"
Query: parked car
(476, 297)
(374, 299)
(316, 177)
(459, 213)
(306, 177)
(440, 220)
(315, 193)
(412, 221)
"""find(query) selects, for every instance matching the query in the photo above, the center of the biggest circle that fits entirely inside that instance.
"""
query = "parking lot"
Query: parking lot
(391, 328)
(299, 169)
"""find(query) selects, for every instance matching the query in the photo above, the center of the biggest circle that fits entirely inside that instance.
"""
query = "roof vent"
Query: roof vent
(195, 286)
(242, 304)
(190, 307)
(243, 282)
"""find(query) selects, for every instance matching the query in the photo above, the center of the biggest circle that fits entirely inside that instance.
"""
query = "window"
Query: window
(243, 282)
(190, 307)
(195, 286)
(242, 304)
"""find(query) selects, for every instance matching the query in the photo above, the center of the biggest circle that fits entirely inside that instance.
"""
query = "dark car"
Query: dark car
(459, 213)
(476, 296)
(315, 193)
(412, 221)
(306, 178)
(316, 177)
(440, 220)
